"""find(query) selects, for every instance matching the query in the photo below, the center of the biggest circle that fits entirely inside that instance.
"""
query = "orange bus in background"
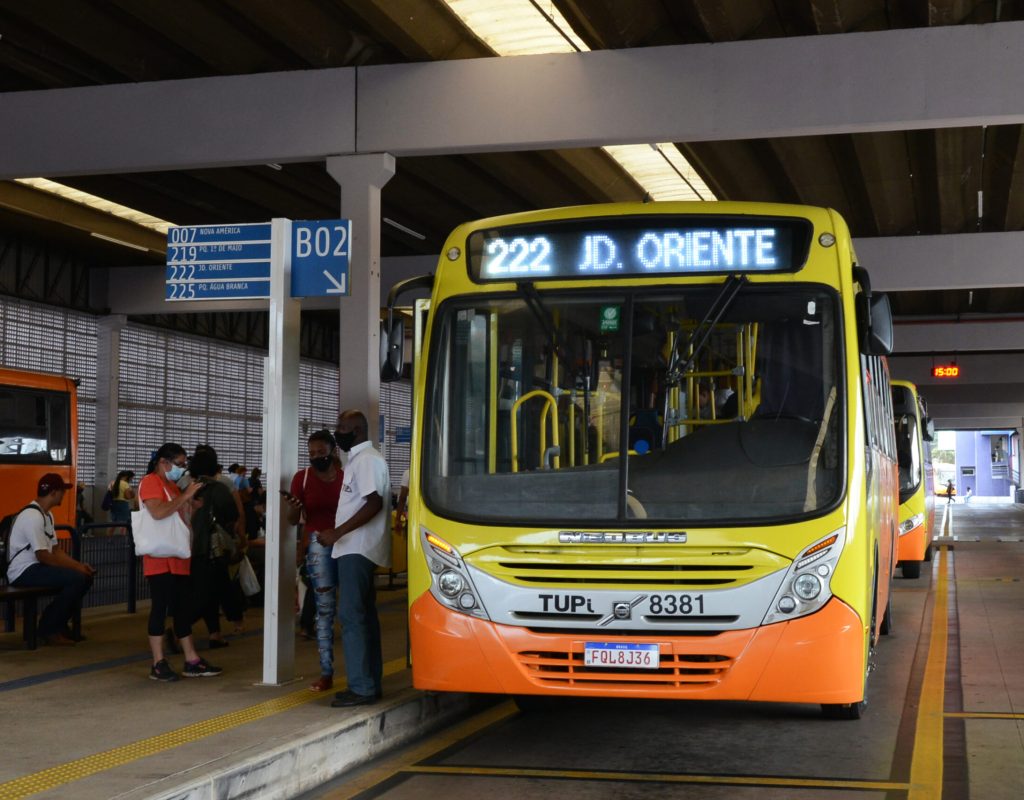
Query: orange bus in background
(38, 434)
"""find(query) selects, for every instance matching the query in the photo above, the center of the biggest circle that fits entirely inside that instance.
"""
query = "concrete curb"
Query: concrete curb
(287, 769)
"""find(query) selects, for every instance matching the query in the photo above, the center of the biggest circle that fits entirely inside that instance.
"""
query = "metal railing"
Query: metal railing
(110, 549)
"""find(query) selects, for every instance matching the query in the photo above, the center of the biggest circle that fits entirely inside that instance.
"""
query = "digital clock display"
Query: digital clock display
(649, 246)
(946, 371)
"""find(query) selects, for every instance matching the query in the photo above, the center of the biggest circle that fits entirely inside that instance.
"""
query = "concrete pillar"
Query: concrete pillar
(108, 381)
(361, 179)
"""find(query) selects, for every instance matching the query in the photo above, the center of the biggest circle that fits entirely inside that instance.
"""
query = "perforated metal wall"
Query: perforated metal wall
(396, 406)
(180, 388)
(192, 390)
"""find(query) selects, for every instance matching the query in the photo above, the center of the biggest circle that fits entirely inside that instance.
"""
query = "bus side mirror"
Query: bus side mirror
(392, 346)
(874, 323)
(874, 317)
(928, 434)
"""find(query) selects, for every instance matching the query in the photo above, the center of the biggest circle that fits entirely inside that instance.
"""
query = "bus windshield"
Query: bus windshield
(533, 398)
(34, 426)
(908, 448)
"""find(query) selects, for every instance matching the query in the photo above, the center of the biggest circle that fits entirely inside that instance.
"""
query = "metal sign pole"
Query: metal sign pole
(281, 458)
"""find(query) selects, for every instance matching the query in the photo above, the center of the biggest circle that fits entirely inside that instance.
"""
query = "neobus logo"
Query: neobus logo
(621, 537)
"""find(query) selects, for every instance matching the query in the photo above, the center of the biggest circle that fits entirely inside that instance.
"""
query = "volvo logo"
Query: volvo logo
(621, 537)
(621, 609)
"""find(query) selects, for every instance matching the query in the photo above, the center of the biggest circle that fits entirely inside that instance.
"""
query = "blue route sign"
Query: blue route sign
(218, 262)
(219, 290)
(217, 271)
(224, 251)
(320, 257)
(217, 234)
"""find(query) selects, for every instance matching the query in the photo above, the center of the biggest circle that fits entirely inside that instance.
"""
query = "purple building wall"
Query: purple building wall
(986, 454)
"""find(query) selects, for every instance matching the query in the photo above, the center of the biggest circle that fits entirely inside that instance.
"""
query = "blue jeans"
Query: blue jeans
(323, 575)
(73, 586)
(360, 626)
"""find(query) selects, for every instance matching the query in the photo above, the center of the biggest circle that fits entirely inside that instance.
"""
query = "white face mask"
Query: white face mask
(175, 472)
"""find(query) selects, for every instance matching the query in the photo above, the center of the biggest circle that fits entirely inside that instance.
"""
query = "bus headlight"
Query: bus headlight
(451, 584)
(805, 588)
(909, 524)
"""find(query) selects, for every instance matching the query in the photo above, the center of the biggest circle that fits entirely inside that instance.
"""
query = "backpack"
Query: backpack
(108, 500)
(6, 526)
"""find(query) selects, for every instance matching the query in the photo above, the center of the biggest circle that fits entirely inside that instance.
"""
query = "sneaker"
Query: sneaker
(200, 669)
(162, 671)
(348, 699)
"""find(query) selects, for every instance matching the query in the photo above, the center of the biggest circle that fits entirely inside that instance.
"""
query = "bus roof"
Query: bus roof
(36, 380)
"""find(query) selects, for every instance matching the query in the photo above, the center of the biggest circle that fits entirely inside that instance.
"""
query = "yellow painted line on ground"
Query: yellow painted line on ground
(984, 715)
(408, 762)
(435, 744)
(926, 764)
(664, 777)
(98, 762)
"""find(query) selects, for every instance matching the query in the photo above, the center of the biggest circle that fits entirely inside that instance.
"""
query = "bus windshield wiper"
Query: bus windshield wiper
(696, 341)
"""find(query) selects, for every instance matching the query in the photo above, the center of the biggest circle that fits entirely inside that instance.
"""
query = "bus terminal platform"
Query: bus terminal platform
(86, 722)
(945, 717)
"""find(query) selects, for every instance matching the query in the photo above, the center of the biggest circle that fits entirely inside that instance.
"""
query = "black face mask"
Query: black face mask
(345, 440)
(321, 463)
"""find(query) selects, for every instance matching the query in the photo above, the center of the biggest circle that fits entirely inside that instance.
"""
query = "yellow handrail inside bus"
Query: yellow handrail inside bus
(549, 405)
(492, 405)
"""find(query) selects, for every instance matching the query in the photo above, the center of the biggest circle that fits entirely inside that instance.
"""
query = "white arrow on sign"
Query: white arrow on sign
(339, 287)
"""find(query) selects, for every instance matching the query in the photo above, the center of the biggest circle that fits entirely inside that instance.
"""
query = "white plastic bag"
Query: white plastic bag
(247, 578)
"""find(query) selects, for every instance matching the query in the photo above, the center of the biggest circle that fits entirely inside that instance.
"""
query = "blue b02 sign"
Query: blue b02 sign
(233, 262)
(320, 257)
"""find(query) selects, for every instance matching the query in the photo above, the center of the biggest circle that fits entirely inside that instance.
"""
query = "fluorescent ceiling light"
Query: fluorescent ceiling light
(518, 27)
(98, 203)
(403, 229)
(528, 27)
(119, 241)
(661, 170)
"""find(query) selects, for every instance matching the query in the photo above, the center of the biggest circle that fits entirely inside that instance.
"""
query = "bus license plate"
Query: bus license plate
(621, 655)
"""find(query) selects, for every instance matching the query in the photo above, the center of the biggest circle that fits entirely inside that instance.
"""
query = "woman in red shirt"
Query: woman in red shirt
(314, 497)
(168, 577)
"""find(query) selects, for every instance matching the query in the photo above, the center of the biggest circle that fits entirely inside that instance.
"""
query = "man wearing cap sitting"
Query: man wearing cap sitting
(35, 560)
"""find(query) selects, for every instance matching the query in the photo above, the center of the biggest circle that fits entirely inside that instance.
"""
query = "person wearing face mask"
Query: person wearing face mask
(169, 577)
(314, 500)
(360, 543)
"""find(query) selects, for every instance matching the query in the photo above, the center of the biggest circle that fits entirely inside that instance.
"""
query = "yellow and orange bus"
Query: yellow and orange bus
(653, 457)
(38, 434)
(914, 435)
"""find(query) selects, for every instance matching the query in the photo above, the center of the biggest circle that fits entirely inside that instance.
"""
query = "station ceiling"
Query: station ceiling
(902, 183)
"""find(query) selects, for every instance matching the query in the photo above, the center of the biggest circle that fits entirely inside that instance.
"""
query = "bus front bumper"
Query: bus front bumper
(815, 659)
(912, 545)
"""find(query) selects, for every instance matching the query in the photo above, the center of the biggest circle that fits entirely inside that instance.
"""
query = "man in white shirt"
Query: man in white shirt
(361, 542)
(35, 560)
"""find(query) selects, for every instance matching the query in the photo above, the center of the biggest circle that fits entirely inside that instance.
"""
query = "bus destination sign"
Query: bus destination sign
(631, 247)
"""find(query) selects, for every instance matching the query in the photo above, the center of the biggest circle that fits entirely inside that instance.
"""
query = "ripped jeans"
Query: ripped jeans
(323, 575)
